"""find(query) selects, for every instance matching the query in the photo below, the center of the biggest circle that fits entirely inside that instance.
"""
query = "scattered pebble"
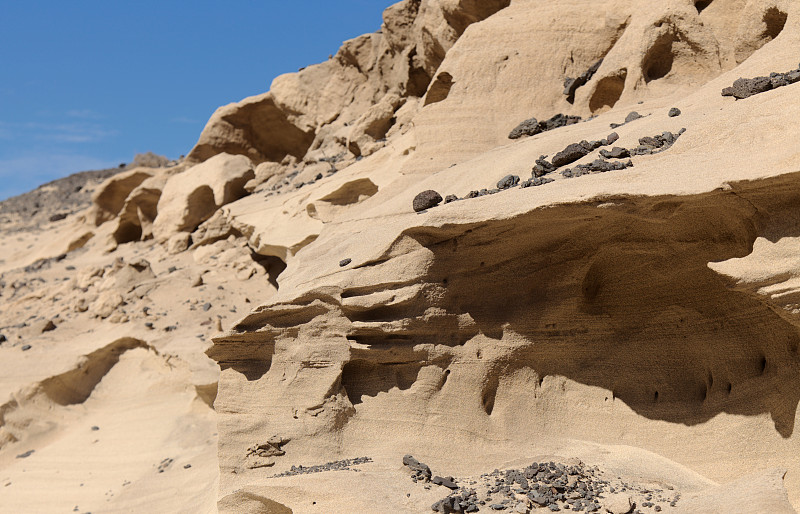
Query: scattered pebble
(26, 347)
(26, 454)
(344, 262)
(674, 112)
(632, 116)
(338, 465)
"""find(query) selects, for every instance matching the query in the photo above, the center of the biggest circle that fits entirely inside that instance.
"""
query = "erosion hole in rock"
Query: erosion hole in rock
(659, 59)
(253, 360)
(366, 378)
(700, 5)
(763, 365)
(775, 20)
(440, 88)
(273, 266)
(608, 92)
(445, 376)
(655, 397)
(127, 232)
(418, 78)
(488, 399)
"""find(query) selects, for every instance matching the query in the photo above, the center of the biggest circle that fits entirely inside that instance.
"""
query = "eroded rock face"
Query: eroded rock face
(413, 331)
(191, 197)
(363, 84)
(110, 197)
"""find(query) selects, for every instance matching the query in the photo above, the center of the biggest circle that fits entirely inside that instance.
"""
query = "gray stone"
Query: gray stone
(674, 112)
(632, 116)
(426, 200)
(615, 153)
(344, 262)
(444, 481)
(450, 198)
(570, 154)
(532, 126)
(508, 182)
(744, 88)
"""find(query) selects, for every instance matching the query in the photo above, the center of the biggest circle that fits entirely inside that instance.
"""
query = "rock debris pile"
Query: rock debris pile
(648, 145)
(743, 88)
(338, 465)
(544, 485)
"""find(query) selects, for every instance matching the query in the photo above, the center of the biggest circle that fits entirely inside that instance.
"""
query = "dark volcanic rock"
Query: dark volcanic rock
(532, 126)
(573, 152)
(596, 166)
(445, 481)
(344, 262)
(450, 198)
(612, 138)
(528, 127)
(421, 471)
(538, 181)
(632, 116)
(572, 84)
(426, 200)
(674, 112)
(507, 182)
(542, 167)
(743, 88)
(615, 153)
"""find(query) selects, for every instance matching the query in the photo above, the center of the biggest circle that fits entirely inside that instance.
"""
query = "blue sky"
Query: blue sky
(86, 84)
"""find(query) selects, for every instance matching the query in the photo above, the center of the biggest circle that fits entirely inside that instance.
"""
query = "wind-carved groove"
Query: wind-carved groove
(625, 300)
(75, 386)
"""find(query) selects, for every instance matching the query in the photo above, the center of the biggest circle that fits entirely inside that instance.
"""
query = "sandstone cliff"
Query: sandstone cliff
(616, 287)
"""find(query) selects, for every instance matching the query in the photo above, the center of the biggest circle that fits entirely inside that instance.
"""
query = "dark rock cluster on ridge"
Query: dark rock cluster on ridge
(744, 88)
(532, 126)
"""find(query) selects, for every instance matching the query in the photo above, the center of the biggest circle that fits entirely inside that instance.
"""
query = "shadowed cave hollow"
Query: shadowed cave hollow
(623, 298)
